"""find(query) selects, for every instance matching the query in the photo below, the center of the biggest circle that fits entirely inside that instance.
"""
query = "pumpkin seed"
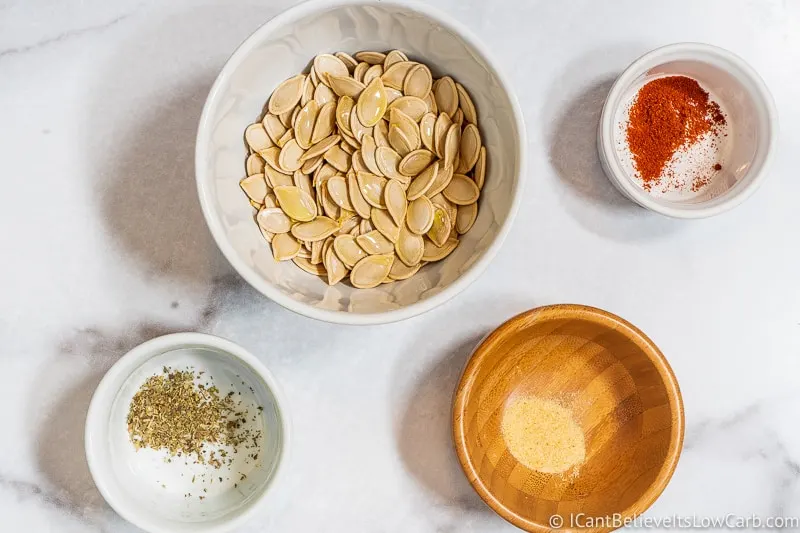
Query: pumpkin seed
(430, 101)
(395, 56)
(304, 124)
(446, 95)
(325, 123)
(345, 86)
(356, 198)
(284, 247)
(451, 145)
(286, 95)
(374, 242)
(273, 126)
(343, 109)
(274, 220)
(412, 106)
(338, 158)
(368, 154)
(383, 222)
(287, 136)
(361, 71)
(271, 156)
(399, 141)
(466, 105)
(296, 203)
(334, 266)
(443, 177)
(318, 229)
(440, 229)
(401, 271)
(348, 250)
(365, 226)
(480, 168)
(426, 128)
(290, 156)
(371, 187)
(327, 64)
(422, 182)
(357, 127)
(395, 75)
(387, 161)
(372, 103)
(415, 162)
(375, 71)
(255, 187)
(371, 271)
(311, 165)
(308, 266)
(440, 129)
(321, 147)
(418, 81)
(348, 60)
(461, 190)
(308, 91)
(357, 161)
(337, 188)
(409, 247)
(324, 95)
(395, 198)
(380, 132)
(466, 217)
(458, 118)
(347, 148)
(372, 58)
(437, 253)
(254, 164)
(257, 138)
(276, 179)
(303, 181)
(420, 215)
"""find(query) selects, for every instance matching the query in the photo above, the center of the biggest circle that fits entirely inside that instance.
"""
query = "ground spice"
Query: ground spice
(667, 115)
(542, 435)
(171, 411)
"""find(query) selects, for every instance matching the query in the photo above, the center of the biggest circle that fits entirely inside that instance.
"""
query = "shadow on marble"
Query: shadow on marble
(425, 436)
(60, 451)
(140, 128)
(591, 198)
(149, 199)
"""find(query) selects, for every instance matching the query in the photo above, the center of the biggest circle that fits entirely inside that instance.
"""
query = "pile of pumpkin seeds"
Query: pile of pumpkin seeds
(365, 168)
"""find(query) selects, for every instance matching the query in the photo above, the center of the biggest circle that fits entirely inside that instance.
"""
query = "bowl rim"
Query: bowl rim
(612, 321)
(128, 363)
(671, 52)
(346, 317)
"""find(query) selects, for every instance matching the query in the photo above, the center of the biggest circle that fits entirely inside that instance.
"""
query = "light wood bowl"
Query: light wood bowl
(621, 392)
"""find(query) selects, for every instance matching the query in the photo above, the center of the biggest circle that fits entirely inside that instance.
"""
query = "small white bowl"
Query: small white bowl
(752, 127)
(284, 47)
(145, 489)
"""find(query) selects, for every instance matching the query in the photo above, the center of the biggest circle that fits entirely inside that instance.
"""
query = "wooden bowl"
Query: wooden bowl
(620, 391)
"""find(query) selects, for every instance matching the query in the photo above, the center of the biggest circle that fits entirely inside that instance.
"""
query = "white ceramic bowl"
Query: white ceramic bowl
(284, 47)
(150, 492)
(752, 123)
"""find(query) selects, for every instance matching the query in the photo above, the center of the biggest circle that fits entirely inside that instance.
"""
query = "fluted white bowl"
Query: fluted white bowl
(283, 47)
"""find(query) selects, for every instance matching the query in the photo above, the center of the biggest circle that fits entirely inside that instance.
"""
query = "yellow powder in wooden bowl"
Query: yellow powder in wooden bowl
(542, 435)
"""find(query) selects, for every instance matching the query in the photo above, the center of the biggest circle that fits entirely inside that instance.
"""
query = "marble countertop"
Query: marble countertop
(104, 246)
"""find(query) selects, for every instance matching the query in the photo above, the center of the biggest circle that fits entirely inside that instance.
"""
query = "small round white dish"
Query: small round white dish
(152, 492)
(283, 47)
(752, 128)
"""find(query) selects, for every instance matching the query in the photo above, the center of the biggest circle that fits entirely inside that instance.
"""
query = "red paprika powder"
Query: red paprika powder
(667, 115)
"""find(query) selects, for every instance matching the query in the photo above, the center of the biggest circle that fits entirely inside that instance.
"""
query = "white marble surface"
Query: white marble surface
(103, 246)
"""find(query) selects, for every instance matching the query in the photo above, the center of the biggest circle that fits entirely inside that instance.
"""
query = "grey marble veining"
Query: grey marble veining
(104, 246)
